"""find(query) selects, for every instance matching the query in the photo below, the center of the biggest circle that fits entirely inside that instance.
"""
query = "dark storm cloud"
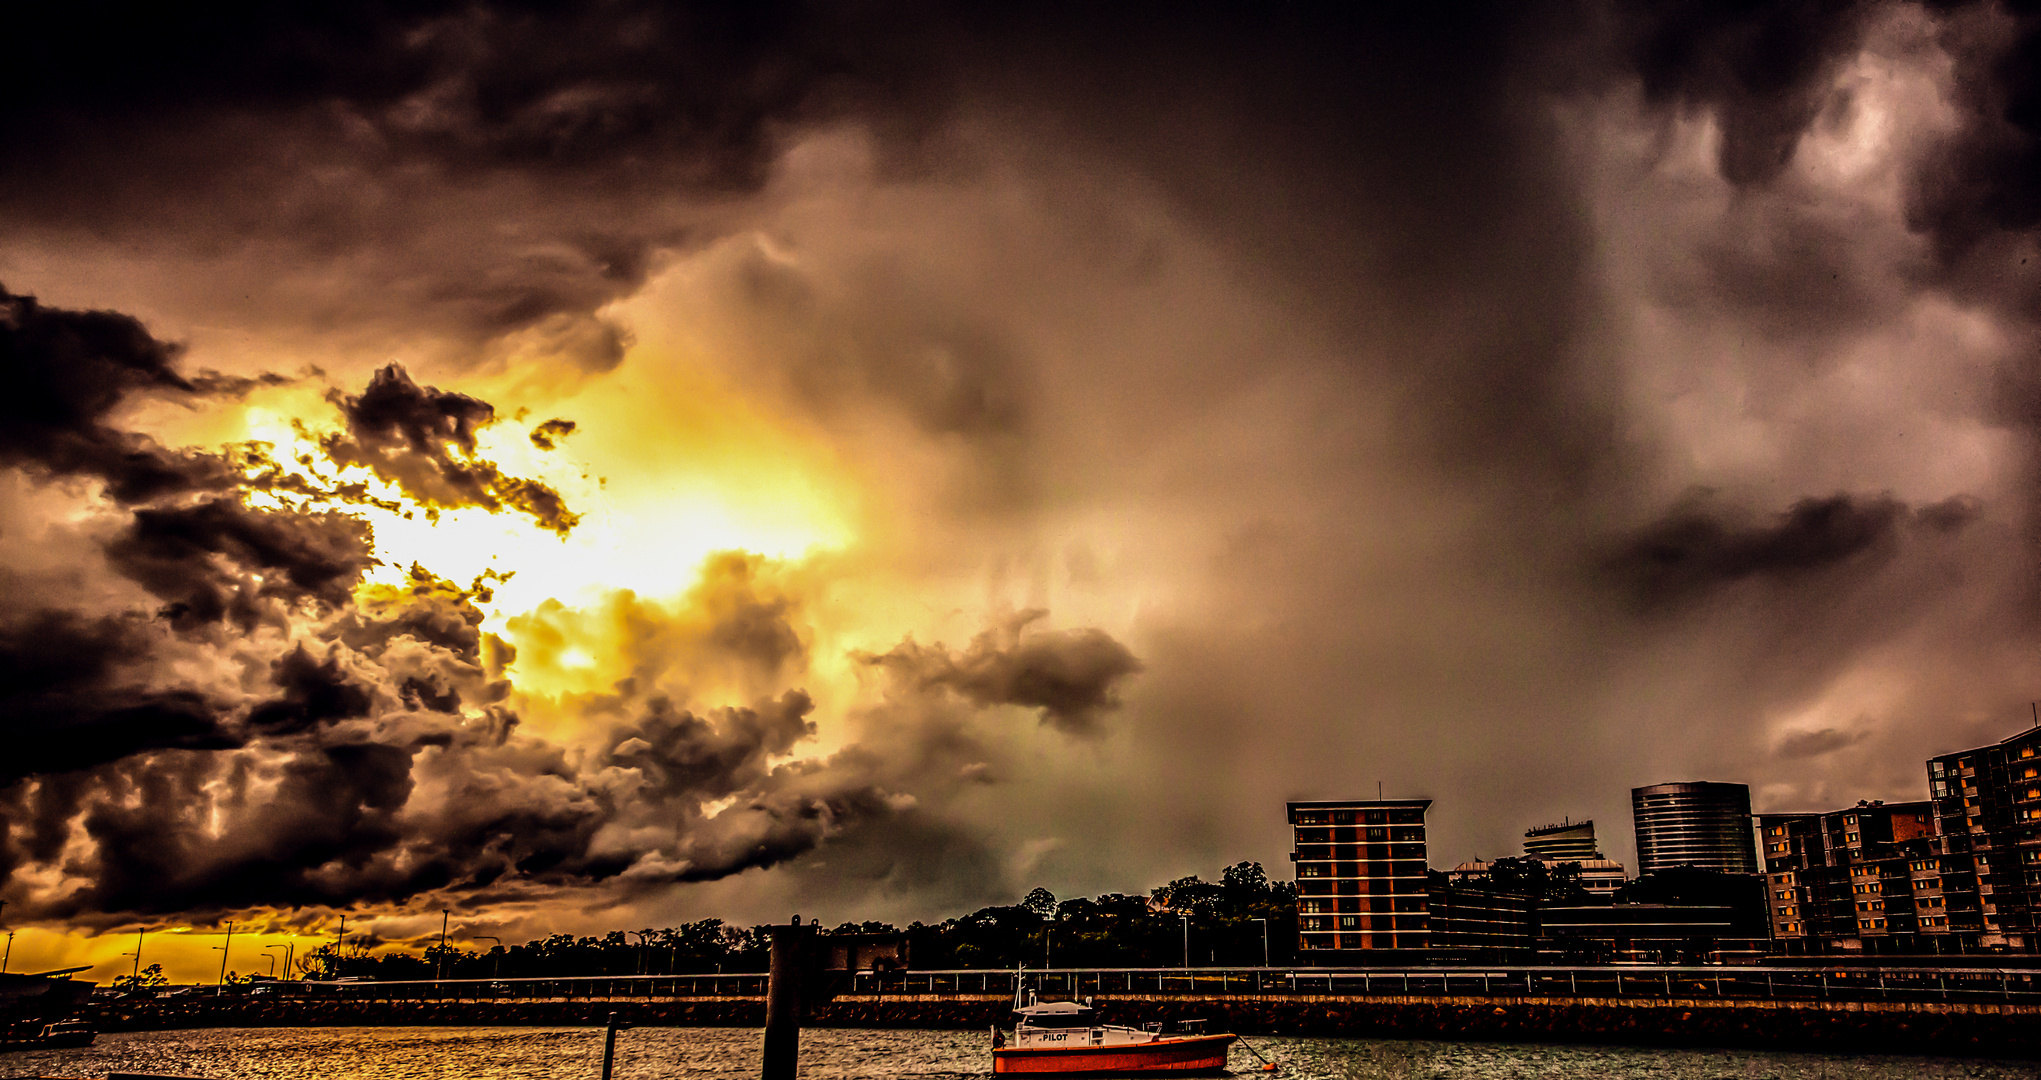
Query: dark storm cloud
(220, 560)
(678, 751)
(478, 86)
(251, 739)
(1812, 744)
(1071, 676)
(77, 691)
(315, 692)
(1765, 72)
(422, 439)
(1693, 549)
(1986, 179)
(66, 372)
(1763, 69)
(341, 122)
(547, 436)
(328, 796)
(273, 732)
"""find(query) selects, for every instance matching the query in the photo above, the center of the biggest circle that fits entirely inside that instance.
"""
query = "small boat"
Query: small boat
(1065, 1038)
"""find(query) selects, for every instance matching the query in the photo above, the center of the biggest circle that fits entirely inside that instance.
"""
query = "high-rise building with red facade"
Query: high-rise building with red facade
(1361, 879)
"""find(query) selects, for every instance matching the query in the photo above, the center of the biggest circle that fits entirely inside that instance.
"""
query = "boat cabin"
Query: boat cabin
(1057, 1014)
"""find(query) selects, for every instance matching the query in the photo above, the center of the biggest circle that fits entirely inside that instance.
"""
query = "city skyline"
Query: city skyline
(189, 947)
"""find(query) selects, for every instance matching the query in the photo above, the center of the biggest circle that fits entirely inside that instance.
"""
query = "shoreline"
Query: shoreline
(1970, 1029)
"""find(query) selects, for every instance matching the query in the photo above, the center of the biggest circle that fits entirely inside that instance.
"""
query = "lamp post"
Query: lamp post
(272, 960)
(1264, 941)
(497, 968)
(9, 954)
(1185, 916)
(136, 979)
(439, 970)
(224, 953)
(641, 949)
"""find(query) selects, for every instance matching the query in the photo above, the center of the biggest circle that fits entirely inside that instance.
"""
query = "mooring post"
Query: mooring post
(609, 1044)
(783, 1003)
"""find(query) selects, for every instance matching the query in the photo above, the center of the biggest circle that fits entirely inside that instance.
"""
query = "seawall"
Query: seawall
(1971, 1029)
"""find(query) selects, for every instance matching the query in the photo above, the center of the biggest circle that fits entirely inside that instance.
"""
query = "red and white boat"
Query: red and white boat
(1065, 1038)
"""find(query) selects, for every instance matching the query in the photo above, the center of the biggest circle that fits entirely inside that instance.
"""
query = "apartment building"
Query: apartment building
(1957, 873)
(1987, 812)
(1362, 895)
(1870, 879)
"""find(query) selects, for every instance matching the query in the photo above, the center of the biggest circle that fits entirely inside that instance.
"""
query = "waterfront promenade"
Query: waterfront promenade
(1985, 1011)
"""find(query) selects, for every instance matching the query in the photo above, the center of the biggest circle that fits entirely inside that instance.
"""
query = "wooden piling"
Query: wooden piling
(783, 1002)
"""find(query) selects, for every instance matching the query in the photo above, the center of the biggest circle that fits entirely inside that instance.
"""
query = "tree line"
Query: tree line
(1243, 919)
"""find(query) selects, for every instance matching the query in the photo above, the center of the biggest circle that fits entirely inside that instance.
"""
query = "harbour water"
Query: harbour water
(843, 1054)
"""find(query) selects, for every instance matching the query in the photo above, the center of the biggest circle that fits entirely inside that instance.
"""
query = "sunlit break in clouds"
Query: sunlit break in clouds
(605, 466)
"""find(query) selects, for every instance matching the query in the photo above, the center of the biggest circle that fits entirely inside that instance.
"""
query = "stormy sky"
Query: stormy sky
(599, 465)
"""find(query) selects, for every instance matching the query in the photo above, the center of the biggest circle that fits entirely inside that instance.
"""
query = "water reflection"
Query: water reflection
(841, 1054)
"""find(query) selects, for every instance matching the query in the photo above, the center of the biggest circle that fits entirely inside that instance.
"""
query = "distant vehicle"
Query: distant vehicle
(59, 1035)
(335, 986)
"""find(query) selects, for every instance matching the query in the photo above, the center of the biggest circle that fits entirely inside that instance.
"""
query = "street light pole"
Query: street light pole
(138, 957)
(439, 970)
(1264, 941)
(224, 953)
(497, 968)
(1185, 916)
(9, 954)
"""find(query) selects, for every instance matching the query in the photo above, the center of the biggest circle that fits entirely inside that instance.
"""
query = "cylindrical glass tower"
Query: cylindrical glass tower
(1698, 824)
